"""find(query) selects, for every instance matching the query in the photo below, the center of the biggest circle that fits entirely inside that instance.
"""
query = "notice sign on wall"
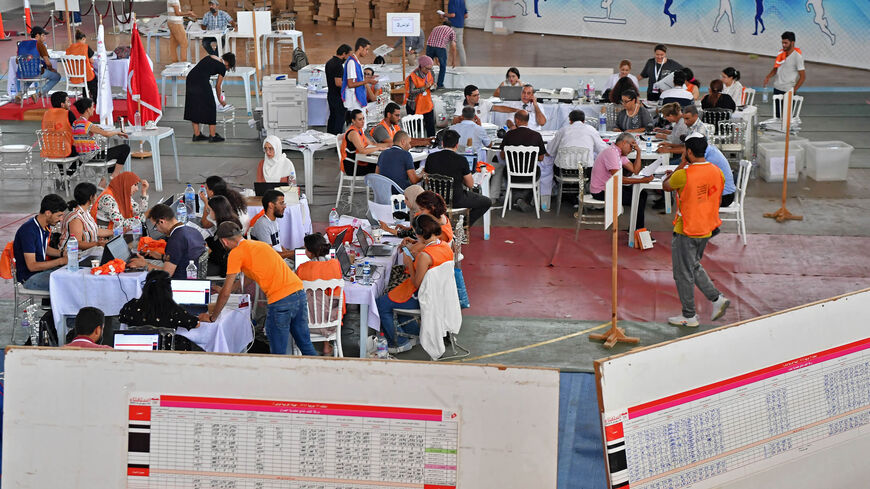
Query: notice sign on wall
(403, 24)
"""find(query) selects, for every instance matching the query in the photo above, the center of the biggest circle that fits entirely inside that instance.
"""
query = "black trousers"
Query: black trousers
(337, 114)
(92, 89)
(626, 200)
(726, 200)
(476, 203)
(118, 153)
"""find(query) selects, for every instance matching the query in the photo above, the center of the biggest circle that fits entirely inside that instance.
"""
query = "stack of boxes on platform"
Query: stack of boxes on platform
(305, 11)
(346, 9)
(362, 16)
(364, 13)
(379, 21)
(428, 9)
(326, 12)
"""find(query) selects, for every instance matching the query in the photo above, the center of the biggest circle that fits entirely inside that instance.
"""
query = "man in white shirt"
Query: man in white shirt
(788, 70)
(578, 134)
(689, 123)
(529, 103)
(678, 93)
(353, 90)
(469, 130)
(266, 228)
(472, 98)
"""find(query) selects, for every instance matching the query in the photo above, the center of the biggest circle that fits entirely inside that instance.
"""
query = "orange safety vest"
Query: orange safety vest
(440, 253)
(81, 49)
(344, 155)
(57, 120)
(322, 270)
(698, 200)
(424, 103)
(392, 129)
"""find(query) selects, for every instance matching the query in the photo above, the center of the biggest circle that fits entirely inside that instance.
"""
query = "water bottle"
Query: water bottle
(191, 271)
(181, 214)
(382, 346)
(136, 230)
(602, 124)
(333, 217)
(582, 89)
(72, 254)
(292, 178)
(367, 273)
(201, 202)
(117, 227)
(25, 325)
(764, 95)
(190, 200)
(137, 122)
(592, 89)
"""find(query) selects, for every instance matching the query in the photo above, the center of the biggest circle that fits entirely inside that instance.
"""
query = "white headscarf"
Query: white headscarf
(274, 169)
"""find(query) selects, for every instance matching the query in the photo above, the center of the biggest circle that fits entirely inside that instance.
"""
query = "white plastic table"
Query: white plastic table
(307, 151)
(159, 33)
(270, 38)
(656, 184)
(153, 137)
(197, 36)
(246, 73)
(176, 72)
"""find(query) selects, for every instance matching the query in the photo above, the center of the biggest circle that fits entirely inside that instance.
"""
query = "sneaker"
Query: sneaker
(201, 137)
(403, 345)
(217, 138)
(719, 306)
(691, 322)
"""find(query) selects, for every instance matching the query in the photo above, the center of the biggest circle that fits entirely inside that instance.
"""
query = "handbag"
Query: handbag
(333, 231)
(460, 288)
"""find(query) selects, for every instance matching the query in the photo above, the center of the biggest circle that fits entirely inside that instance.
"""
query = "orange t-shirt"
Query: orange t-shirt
(81, 49)
(440, 253)
(260, 262)
(322, 270)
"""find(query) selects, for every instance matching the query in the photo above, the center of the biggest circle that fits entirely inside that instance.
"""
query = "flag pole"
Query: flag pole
(141, 153)
(69, 37)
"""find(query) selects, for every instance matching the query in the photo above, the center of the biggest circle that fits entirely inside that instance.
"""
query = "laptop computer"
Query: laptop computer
(344, 262)
(150, 230)
(299, 257)
(369, 249)
(509, 93)
(260, 188)
(339, 238)
(192, 295)
(144, 341)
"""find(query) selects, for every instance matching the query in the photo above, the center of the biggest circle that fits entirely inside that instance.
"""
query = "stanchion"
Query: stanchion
(782, 214)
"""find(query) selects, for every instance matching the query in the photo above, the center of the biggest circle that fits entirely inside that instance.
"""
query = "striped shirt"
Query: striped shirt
(216, 22)
(441, 36)
(82, 138)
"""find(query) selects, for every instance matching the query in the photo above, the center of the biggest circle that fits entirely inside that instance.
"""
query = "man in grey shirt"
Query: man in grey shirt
(266, 228)
(688, 124)
(788, 70)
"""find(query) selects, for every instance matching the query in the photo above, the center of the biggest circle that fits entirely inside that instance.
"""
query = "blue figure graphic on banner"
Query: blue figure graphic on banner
(724, 9)
(759, 9)
(525, 7)
(820, 19)
(607, 5)
(672, 17)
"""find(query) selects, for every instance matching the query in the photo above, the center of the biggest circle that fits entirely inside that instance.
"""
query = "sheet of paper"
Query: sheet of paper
(608, 199)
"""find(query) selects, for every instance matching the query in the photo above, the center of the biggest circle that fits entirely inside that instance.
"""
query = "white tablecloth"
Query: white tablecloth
(231, 333)
(294, 226)
(71, 291)
(557, 114)
(118, 69)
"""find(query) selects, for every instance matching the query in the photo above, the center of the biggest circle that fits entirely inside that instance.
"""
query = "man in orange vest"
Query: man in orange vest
(698, 185)
(384, 131)
(418, 93)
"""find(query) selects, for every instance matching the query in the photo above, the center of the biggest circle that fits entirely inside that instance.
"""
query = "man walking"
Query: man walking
(334, 71)
(436, 48)
(698, 185)
(788, 70)
(456, 14)
(353, 82)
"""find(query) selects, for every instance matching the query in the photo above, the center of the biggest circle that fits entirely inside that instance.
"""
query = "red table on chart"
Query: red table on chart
(192, 442)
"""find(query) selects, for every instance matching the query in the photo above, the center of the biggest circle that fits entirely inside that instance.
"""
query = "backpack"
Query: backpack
(300, 60)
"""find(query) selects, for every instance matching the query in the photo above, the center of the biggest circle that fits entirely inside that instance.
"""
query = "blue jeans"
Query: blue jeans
(39, 280)
(385, 310)
(286, 317)
(441, 54)
(51, 79)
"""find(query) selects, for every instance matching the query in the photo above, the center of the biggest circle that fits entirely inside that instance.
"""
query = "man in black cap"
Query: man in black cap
(49, 73)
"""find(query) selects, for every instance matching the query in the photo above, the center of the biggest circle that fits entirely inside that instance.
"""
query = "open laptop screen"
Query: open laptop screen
(136, 341)
(192, 292)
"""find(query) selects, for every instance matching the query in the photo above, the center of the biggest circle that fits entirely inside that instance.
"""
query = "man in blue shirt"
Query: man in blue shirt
(30, 246)
(397, 164)
(468, 129)
(183, 244)
(713, 155)
(456, 13)
(214, 20)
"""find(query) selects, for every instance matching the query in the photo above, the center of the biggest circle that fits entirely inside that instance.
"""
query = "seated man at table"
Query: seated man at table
(396, 162)
(690, 122)
(614, 159)
(520, 135)
(482, 107)
(527, 103)
(266, 227)
(49, 72)
(451, 164)
(214, 20)
(89, 326)
(384, 131)
(287, 312)
(34, 258)
(577, 134)
(470, 132)
(183, 244)
(679, 93)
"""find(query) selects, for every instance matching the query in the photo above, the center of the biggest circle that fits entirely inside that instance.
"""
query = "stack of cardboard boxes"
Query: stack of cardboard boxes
(379, 21)
(305, 11)
(327, 12)
(363, 13)
(346, 11)
(428, 9)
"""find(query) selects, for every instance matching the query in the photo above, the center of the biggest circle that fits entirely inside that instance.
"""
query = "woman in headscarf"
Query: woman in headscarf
(411, 194)
(275, 166)
(116, 202)
(418, 97)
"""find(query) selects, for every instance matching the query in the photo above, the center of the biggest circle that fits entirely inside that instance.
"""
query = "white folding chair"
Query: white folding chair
(23, 298)
(587, 200)
(413, 125)
(570, 161)
(737, 207)
(52, 144)
(76, 70)
(797, 102)
(346, 181)
(748, 97)
(322, 310)
(521, 162)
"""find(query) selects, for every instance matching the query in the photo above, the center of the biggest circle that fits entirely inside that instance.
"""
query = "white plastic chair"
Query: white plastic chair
(797, 102)
(570, 160)
(23, 298)
(76, 67)
(413, 125)
(51, 144)
(521, 162)
(346, 181)
(737, 207)
(321, 311)
(748, 96)
(587, 200)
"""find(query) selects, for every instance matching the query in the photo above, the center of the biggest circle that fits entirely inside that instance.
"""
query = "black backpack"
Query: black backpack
(300, 60)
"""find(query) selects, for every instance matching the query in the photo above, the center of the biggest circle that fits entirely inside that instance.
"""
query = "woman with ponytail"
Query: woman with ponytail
(733, 88)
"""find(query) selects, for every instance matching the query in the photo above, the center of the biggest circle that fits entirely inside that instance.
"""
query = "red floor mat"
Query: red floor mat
(15, 112)
(544, 273)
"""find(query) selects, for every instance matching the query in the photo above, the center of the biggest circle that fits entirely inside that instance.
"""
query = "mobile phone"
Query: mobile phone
(408, 252)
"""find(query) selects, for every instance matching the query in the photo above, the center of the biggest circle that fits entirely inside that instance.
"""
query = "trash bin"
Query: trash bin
(770, 161)
(827, 160)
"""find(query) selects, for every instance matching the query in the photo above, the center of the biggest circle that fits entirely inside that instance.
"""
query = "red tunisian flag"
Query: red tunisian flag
(141, 84)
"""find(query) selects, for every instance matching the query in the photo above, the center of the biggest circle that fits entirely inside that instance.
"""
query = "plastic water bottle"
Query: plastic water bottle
(602, 124)
(191, 271)
(292, 178)
(72, 254)
(181, 214)
(137, 122)
(25, 325)
(333, 217)
(592, 89)
(764, 95)
(117, 227)
(136, 230)
(382, 346)
(367, 273)
(190, 200)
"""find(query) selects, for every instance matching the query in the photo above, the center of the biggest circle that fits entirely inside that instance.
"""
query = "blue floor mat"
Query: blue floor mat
(581, 459)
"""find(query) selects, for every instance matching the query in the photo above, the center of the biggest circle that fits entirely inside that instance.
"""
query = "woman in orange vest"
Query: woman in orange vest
(418, 93)
(354, 142)
(81, 48)
(321, 267)
(434, 252)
